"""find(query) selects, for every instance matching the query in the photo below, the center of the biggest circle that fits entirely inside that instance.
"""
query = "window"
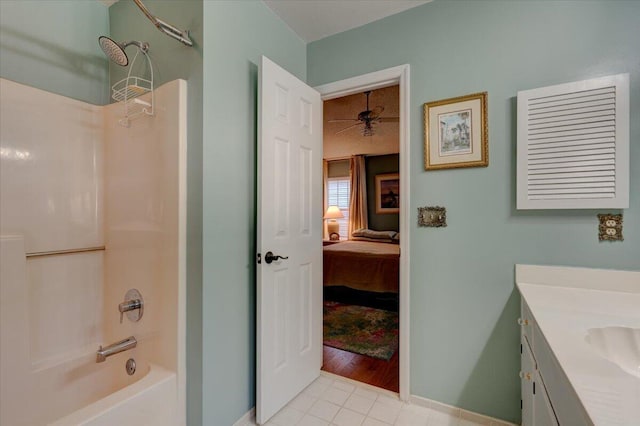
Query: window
(338, 190)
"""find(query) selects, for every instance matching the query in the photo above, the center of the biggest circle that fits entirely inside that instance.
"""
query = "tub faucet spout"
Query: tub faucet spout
(116, 348)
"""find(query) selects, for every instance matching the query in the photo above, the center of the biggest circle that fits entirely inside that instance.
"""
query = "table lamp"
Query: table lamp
(333, 228)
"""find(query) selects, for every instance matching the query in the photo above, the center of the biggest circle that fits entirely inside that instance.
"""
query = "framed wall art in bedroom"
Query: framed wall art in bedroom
(388, 193)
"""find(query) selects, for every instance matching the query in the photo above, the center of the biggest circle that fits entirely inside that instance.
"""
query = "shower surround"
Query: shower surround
(72, 178)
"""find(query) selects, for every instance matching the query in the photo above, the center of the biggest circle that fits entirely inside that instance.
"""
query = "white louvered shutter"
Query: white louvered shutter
(338, 194)
(573, 145)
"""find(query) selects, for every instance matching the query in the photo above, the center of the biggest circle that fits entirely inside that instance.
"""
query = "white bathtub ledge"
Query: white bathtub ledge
(150, 400)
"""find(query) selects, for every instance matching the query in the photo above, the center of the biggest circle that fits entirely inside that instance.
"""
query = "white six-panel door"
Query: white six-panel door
(289, 224)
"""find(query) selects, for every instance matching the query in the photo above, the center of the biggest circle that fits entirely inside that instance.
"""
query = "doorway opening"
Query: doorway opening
(399, 77)
(361, 252)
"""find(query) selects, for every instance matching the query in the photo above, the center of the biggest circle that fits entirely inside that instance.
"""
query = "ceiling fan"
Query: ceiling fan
(366, 119)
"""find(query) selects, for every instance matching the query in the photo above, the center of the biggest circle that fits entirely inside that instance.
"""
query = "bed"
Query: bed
(362, 265)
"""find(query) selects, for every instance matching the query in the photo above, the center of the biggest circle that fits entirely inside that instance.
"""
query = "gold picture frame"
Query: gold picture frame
(456, 132)
(387, 193)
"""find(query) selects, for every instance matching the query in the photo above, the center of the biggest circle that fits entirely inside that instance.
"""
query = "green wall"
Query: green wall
(39, 48)
(464, 339)
(172, 60)
(236, 34)
(376, 165)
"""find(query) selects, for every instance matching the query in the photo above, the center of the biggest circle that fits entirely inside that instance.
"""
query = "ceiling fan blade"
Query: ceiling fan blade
(347, 128)
(376, 112)
(340, 120)
(388, 119)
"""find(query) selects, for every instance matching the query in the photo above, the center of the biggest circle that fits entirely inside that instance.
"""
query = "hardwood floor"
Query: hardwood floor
(376, 372)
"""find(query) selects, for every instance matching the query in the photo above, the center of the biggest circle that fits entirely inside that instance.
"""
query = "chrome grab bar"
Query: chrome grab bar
(66, 251)
(115, 348)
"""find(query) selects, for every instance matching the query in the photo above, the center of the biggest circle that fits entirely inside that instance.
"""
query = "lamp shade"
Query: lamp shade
(333, 212)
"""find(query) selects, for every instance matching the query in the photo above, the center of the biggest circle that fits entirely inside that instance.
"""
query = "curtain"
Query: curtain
(325, 202)
(358, 196)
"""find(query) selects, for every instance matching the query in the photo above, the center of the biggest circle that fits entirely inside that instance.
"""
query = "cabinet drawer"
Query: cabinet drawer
(526, 322)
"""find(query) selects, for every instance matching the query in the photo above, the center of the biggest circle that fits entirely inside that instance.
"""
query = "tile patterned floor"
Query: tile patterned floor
(333, 401)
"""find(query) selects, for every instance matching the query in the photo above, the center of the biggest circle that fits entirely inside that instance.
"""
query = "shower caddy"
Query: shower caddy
(129, 90)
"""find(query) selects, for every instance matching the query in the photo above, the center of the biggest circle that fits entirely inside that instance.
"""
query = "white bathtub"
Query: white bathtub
(55, 311)
(152, 400)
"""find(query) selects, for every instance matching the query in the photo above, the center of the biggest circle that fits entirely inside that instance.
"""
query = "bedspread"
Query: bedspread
(362, 265)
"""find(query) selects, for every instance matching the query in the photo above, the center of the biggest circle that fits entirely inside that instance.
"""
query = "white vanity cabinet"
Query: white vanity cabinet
(566, 379)
(536, 407)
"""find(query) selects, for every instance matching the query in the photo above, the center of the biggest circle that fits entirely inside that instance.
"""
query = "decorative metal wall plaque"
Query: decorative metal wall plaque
(434, 217)
(610, 228)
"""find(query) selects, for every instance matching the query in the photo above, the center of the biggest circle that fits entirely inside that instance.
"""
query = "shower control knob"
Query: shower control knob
(133, 306)
(128, 306)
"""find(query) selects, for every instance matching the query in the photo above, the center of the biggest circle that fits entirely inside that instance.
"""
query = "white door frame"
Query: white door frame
(376, 80)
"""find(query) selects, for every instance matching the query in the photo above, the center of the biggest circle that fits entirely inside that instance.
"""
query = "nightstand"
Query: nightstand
(329, 242)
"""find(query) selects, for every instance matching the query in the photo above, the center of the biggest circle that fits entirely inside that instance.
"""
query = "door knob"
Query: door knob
(270, 257)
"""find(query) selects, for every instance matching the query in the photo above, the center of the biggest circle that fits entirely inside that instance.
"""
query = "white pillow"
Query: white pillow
(373, 240)
(376, 235)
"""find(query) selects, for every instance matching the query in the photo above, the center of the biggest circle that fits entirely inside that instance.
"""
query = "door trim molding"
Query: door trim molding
(376, 80)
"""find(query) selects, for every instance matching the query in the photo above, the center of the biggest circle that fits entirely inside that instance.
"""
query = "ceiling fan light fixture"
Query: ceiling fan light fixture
(367, 118)
(367, 131)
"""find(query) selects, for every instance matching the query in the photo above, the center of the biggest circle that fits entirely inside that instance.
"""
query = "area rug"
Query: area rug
(362, 330)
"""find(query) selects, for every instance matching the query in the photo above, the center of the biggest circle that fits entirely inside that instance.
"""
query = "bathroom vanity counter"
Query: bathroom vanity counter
(569, 308)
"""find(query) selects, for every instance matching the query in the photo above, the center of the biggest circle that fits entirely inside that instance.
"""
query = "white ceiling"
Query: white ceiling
(316, 19)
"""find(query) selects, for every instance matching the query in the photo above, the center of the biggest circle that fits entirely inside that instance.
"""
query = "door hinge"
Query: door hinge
(520, 348)
(259, 258)
(521, 404)
(534, 388)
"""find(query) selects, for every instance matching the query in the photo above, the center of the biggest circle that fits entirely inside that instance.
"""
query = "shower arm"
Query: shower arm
(168, 29)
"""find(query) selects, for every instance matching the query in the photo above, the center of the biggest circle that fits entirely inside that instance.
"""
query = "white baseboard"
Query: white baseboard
(458, 412)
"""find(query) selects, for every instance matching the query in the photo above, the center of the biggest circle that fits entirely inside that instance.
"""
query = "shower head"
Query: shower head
(115, 51)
